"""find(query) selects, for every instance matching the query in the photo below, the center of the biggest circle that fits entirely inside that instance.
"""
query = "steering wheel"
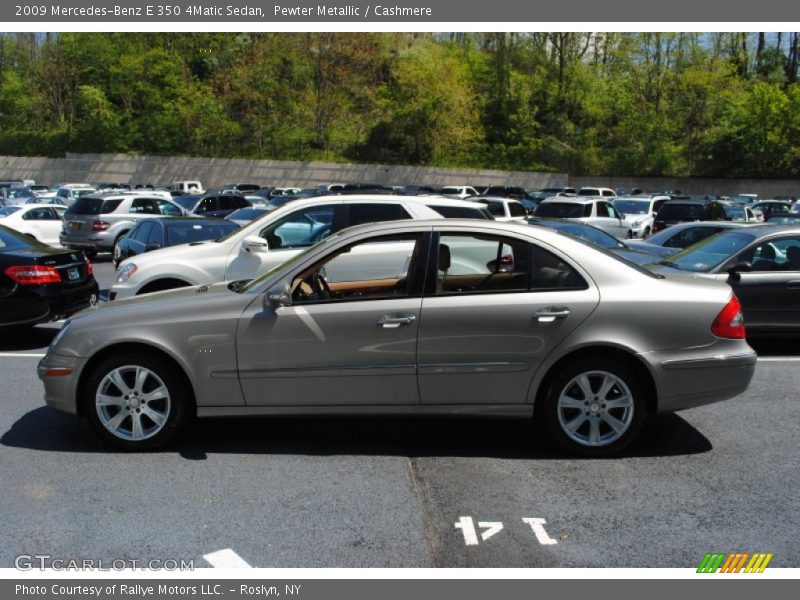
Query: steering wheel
(320, 234)
(320, 285)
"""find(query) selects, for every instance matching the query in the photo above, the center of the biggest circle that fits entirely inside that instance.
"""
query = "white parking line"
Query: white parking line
(226, 559)
(779, 359)
(29, 355)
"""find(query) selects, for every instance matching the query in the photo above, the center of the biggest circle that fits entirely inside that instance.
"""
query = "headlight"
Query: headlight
(60, 334)
(126, 272)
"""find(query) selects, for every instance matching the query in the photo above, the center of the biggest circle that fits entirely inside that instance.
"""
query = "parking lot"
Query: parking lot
(389, 493)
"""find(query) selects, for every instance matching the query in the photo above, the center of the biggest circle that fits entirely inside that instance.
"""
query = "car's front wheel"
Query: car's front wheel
(136, 403)
(594, 407)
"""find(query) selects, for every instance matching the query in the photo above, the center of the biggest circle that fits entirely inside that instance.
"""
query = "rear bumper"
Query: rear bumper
(39, 304)
(703, 378)
(87, 240)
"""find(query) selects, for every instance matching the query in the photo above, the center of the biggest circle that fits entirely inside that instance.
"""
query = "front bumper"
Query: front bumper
(705, 377)
(60, 376)
(118, 291)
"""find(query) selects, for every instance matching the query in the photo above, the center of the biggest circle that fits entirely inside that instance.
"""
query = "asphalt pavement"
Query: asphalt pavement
(402, 492)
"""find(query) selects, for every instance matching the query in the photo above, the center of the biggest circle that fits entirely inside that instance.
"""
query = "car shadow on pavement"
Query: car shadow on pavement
(33, 338)
(49, 430)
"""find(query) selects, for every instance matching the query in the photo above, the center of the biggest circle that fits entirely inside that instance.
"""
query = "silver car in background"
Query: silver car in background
(442, 317)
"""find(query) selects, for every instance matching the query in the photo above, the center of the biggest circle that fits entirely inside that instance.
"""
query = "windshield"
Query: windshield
(632, 207)
(711, 252)
(562, 210)
(735, 213)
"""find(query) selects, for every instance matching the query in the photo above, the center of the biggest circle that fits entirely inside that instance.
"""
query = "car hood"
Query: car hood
(165, 255)
(157, 300)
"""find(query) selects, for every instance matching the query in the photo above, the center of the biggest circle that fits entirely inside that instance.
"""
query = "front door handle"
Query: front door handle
(793, 285)
(551, 313)
(396, 320)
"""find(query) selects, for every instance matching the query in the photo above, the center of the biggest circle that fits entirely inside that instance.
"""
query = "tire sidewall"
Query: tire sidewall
(179, 400)
(549, 407)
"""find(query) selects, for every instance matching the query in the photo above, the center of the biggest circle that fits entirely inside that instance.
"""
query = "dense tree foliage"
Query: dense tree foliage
(724, 104)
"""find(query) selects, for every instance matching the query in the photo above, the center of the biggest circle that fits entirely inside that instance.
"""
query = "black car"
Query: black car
(40, 283)
(152, 234)
(680, 211)
(761, 264)
(219, 206)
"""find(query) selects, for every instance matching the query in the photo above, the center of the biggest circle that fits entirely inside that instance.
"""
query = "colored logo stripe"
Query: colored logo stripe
(734, 562)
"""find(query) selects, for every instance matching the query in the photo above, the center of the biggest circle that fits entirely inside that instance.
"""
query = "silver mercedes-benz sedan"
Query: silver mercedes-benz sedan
(428, 317)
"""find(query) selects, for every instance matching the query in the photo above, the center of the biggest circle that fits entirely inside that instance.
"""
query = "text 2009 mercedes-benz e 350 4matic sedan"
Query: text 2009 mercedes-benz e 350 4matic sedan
(412, 317)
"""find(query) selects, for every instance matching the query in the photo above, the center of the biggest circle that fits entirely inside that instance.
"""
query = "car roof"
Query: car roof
(571, 199)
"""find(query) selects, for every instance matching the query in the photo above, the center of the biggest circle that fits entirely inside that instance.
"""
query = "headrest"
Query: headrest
(444, 257)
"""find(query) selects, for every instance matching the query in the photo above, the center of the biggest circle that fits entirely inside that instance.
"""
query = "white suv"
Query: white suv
(640, 212)
(273, 239)
(598, 212)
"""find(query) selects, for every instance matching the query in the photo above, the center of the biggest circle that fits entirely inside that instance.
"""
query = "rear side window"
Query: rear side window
(461, 212)
(516, 210)
(496, 208)
(549, 272)
(685, 212)
(479, 264)
(374, 213)
(561, 210)
(94, 206)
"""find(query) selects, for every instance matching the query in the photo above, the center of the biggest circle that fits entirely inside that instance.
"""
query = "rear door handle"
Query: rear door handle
(794, 285)
(396, 320)
(551, 313)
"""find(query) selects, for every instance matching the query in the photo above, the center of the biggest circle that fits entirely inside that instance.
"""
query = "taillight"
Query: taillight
(89, 268)
(730, 321)
(100, 226)
(33, 274)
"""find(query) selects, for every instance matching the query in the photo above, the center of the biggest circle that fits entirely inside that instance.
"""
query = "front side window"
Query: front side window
(377, 268)
(301, 228)
(168, 208)
(602, 209)
(782, 254)
(515, 209)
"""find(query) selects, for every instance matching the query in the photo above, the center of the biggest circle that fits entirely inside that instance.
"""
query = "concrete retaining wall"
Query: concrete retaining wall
(765, 188)
(216, 172)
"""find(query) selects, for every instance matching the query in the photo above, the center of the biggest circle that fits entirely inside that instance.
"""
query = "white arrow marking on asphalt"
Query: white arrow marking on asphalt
(492, 527)
(226, 559)
(538, 529)
(467, 527)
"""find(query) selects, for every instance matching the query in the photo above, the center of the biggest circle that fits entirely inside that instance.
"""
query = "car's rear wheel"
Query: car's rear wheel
(136, 403)
(594, 407)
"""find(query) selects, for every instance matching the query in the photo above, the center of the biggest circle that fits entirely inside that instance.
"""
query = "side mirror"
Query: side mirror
(253, 244)
(151, 247)
(278, 295)
(741, 266)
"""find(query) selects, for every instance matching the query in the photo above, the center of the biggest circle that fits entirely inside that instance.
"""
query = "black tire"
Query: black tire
(646, 233)
(90, 253)
(629, 235)
(116, 255)
(550, 415)
(178, 409)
